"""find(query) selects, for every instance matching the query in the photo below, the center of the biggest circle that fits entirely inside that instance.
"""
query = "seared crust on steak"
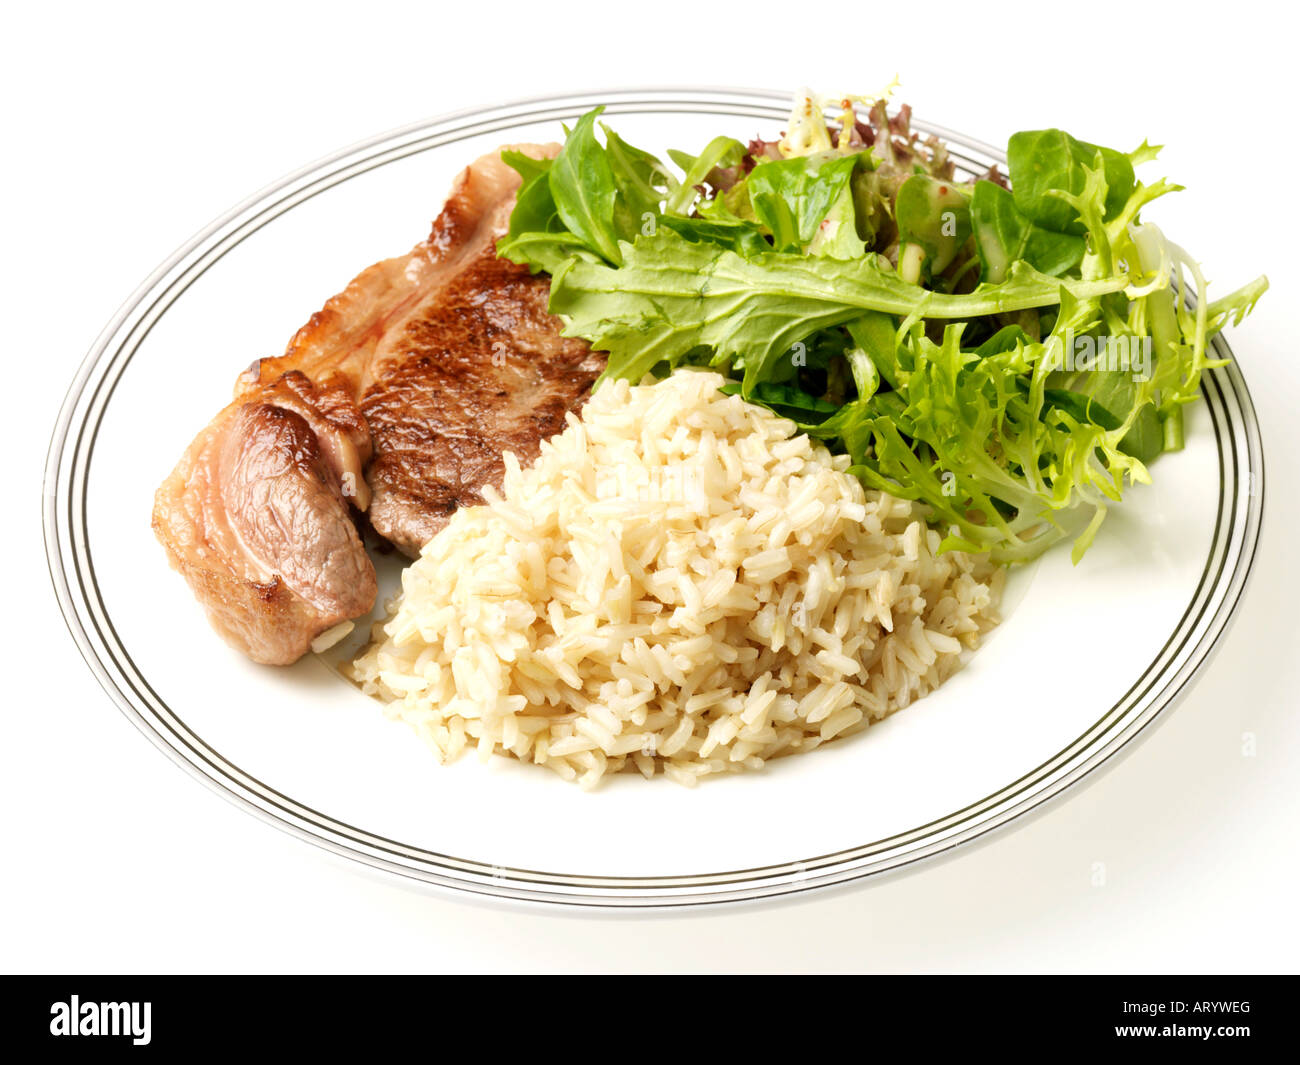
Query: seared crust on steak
(482, 373)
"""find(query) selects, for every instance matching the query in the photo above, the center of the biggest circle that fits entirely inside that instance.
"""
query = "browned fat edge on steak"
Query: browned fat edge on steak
(443, 358)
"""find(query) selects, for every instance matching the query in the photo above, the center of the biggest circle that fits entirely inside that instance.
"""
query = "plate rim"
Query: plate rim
(68, 458)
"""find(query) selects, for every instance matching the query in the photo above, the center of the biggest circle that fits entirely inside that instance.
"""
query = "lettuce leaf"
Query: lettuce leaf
(936, 215)
(1004, 235)
(1043, 162)
(671, 297)
(793, 199)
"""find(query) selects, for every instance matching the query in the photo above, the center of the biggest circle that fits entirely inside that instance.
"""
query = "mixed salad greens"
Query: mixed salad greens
(1009, 353)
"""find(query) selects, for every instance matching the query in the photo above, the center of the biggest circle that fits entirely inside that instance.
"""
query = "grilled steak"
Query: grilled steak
(436, 362)
(453, 357)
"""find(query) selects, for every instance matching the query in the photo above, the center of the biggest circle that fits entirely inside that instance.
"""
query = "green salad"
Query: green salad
(1012, 352)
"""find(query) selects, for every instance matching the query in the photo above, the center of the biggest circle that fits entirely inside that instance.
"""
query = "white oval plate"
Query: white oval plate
(1086, 659)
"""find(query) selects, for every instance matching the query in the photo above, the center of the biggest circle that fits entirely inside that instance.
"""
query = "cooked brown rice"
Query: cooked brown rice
(680, 582)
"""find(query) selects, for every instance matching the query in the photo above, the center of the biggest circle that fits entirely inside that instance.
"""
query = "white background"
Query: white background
(128, 127)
